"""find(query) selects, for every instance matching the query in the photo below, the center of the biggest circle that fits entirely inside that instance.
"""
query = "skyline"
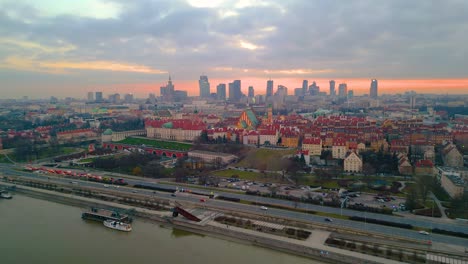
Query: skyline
(69, 47)
(359, 86)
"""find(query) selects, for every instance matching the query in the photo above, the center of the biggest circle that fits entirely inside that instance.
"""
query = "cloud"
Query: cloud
(274, 72)
(33, 46)
(28, 64)
(333, 39)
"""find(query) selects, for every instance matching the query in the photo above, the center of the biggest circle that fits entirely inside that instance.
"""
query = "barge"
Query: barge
(102, 215)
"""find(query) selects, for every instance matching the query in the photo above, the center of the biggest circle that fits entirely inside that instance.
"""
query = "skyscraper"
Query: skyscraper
(314, 89)
(128, 98)
(235, 91)
(251, 92)
(373, 89)
(332, 88)
(221, 91)
(343, 90)
(204, 87)
(269, 90)
(305, 85)
(98, 97)
(167, 92)
(90, 96)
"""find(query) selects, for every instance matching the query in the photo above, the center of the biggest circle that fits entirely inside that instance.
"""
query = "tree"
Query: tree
(153, 170)
(302, 159)
(273, 189)
(368, 169)
(204, 137)
(336, 170)
(326, 155)
(411, 199)
(322, 174)
(137, 171)
(217, 162)
(425, 185)
(180, 174)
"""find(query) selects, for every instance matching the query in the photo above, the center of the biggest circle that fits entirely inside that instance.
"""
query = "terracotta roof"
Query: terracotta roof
(424, 164)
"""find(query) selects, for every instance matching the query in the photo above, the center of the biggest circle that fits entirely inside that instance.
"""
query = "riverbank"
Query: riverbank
(309, 248)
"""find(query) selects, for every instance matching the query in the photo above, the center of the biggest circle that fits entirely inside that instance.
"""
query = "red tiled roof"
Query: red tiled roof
(312, 141)
(424, 164)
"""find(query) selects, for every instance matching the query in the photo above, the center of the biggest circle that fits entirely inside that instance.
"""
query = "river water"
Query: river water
(42, 232)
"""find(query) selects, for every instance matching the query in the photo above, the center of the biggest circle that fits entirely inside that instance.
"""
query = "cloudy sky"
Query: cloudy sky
(70, 47)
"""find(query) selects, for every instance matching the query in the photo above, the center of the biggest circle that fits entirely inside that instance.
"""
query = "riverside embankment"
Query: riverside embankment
(208, 228)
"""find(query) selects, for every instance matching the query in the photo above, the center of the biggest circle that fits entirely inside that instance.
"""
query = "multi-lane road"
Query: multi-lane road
(9, 170)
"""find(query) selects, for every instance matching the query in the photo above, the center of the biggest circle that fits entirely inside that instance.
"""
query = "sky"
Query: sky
(68, 47)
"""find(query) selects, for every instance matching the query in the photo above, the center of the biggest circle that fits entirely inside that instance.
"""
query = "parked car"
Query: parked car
(264, 208)
(423, 232)
(328, 220)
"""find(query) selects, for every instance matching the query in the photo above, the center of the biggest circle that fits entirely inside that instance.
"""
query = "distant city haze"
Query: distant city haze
(68, 48)
(142, 90)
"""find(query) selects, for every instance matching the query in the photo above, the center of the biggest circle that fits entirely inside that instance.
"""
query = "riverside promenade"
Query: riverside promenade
(313, 247)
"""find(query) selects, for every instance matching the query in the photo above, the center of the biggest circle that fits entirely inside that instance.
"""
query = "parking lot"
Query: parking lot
(364, 199)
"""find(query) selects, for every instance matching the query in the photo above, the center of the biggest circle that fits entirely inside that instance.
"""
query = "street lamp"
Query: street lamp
(342, 205)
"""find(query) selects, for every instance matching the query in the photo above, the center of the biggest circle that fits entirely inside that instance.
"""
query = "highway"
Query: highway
(390, 231)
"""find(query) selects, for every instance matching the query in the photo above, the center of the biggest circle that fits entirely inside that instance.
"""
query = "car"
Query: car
(328, 220)
(423, 232)
(74, 182)
(202, 200)
(105, 185)
(173, 195)
(134, 191)
(264, 208)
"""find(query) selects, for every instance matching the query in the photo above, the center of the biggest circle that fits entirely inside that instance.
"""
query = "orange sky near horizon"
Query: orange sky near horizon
(359, 85)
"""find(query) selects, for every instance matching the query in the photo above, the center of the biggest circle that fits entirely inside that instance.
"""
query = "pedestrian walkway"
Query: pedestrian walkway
(315, 241)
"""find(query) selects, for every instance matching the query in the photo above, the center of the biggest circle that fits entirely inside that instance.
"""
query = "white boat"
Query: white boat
(5, 195)
(118, 225)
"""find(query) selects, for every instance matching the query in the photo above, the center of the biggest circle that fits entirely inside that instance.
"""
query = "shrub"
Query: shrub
(381, 222)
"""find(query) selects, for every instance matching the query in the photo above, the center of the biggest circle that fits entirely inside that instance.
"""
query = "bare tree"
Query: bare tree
(273, 189)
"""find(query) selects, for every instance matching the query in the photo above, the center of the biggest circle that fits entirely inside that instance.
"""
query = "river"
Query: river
(43, 232)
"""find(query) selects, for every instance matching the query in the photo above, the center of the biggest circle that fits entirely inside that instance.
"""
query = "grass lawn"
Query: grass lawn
(156, 143)
(265, 159)
(248, 175)
(43, 153)
(87, 160)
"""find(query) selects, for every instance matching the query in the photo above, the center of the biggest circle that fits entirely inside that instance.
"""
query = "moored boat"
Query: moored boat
(5, 195)
(118, 225)
(97, 214)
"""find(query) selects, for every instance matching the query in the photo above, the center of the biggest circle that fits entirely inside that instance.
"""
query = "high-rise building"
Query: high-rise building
(332, 88)
(269, 90)
(413, 100)
(350, 94)
(90, 96)
(221, 91)
(305, 85)
(114, 98)
(151, 98)
(204, 87)
(98, 97)
(251, 92)
(298, 92)
(314, 89)
(167, 92)
(128, 98)
(342, 90)
(373, 89)
(235, 91)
